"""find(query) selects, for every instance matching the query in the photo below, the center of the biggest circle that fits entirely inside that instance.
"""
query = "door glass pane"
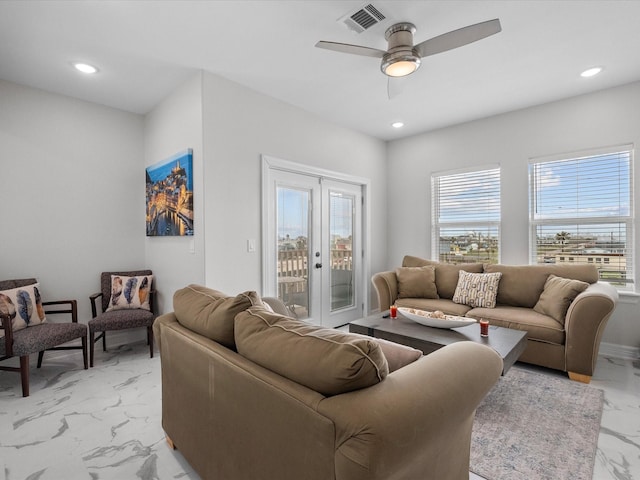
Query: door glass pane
(341, 221)
(293, 250)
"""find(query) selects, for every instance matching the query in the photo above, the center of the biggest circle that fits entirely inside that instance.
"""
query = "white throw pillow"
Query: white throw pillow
(130, 292)
(23, 305)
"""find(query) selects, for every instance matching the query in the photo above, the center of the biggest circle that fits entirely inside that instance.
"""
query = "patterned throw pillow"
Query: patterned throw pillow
(23, 305)
(477, 289)
(130, 292)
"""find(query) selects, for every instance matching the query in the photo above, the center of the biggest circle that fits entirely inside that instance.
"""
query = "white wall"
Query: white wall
(605, 118)
(72, 184)
(240, 125)
(70, 192)
(173, 126)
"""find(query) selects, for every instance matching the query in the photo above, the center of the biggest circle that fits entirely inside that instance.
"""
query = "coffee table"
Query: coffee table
(507, 342)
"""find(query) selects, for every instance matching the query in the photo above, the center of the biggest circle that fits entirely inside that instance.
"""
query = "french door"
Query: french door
(312, 250)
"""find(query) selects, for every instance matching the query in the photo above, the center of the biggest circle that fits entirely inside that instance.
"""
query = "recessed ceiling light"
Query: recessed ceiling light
(85, 68)
(591, 72)
(397, 124)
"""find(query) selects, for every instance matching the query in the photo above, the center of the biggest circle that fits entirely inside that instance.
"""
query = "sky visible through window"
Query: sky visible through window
(293, 213)
(591, 194)
(581, 213)
(469, 197)
(466, 216)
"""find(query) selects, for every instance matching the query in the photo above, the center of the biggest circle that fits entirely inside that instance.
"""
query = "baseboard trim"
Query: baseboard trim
(619, 351)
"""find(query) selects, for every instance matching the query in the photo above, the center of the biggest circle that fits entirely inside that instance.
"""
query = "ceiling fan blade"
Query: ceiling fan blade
(354, 49)
(458, 38)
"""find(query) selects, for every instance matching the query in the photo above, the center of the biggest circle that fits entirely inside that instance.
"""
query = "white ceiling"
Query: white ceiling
(144, 49)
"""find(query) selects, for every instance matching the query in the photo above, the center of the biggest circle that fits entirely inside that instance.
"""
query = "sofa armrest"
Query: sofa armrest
(417, 420)
(278, 306)
(585, 321)
(162, 320)
(386, 285)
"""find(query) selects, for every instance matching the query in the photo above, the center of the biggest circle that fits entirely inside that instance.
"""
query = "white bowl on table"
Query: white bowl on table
(424, 317)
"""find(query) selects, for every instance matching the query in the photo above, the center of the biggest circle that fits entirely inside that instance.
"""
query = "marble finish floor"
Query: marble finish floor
(104, 423)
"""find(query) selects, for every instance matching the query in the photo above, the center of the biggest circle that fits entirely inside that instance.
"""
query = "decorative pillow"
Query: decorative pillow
(130, 292)
(417, 282)
(557, 295)
(326, 360)
(23, 306)
(477, 289)
(446, 273)
(210, 312)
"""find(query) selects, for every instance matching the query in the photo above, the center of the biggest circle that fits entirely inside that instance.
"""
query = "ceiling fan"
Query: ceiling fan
(403, 57)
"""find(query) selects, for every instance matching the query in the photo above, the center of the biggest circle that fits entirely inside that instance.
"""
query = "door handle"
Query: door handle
(318, 265)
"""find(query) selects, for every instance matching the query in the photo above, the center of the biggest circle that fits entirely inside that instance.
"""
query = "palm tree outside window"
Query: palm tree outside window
(581, 210)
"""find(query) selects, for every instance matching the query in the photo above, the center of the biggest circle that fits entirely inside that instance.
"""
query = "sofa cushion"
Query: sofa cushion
(521, 285)
(398, 355)
(557, 295)
(477, 289)
(130, 292)
(446, 273)
(417, 282)
(326, 360)
(23, 305)
(210, 312)
(538, 326)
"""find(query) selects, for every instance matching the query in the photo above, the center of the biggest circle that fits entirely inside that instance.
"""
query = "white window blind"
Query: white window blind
(466, 216)
(581, 212)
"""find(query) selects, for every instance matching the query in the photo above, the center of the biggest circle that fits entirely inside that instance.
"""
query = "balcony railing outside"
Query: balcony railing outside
(293, 273)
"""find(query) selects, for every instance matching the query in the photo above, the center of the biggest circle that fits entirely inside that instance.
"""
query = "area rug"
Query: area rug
(536, 426)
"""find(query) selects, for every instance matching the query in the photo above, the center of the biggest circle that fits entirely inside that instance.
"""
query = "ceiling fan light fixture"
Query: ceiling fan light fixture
(402, 56)
(400, 64)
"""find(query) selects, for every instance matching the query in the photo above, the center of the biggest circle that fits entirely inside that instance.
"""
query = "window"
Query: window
(582, 206)
(466, 216)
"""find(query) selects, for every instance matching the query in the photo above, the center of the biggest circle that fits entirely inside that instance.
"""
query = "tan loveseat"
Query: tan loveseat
(250, 394)
(562, 332)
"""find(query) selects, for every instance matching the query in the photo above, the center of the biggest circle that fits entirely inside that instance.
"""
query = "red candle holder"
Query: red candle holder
(484, 327)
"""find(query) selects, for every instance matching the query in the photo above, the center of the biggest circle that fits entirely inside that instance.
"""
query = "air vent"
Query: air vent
(363, 19)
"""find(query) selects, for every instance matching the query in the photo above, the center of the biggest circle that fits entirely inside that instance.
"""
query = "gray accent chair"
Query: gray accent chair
(39, 338)
(103, 321)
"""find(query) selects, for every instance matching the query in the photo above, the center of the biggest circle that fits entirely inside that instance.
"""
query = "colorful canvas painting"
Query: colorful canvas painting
(170, 196)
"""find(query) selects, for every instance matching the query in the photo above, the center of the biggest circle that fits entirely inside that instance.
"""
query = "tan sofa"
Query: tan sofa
(568, 342)
(288, 400)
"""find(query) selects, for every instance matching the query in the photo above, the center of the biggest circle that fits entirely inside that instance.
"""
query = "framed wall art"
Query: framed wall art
(170, 196)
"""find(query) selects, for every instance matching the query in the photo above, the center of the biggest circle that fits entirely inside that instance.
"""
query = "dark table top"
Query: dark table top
(509, 343)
